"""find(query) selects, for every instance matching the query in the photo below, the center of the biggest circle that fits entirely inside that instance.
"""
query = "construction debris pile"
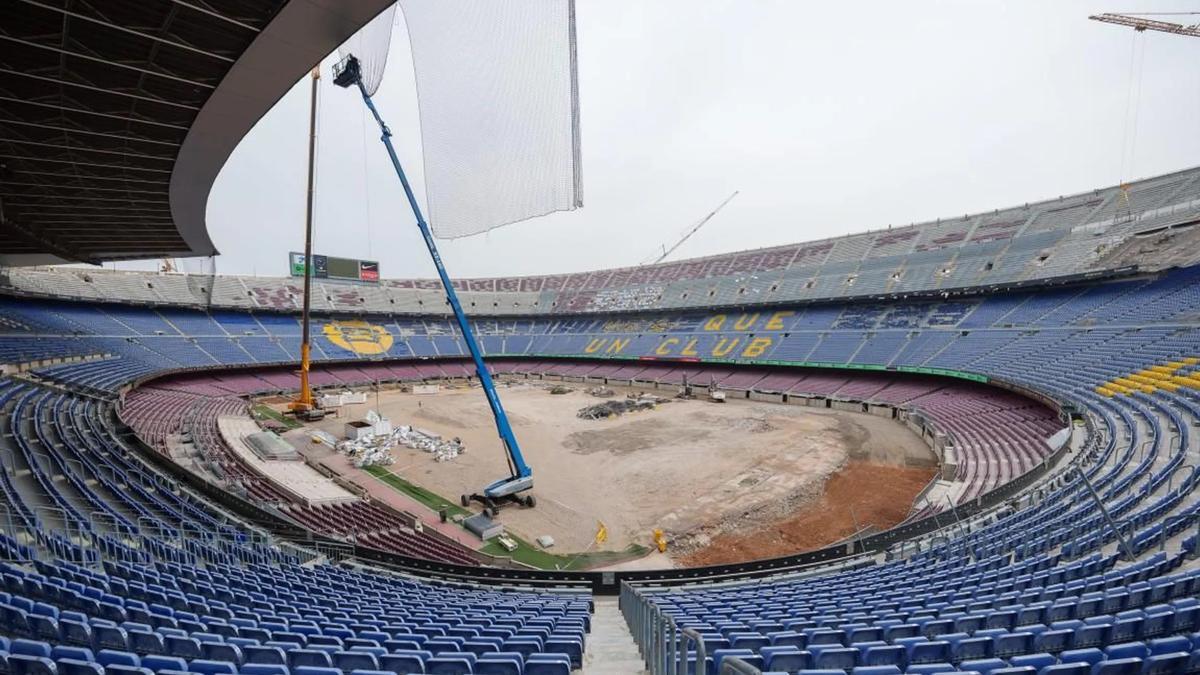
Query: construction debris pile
(374, 449)
(559, 390)
(368, 451)
(433, 443)
(601, 391)
(614, 408)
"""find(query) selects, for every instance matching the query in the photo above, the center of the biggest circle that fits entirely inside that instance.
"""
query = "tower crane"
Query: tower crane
(692, 230)
(1140, 24)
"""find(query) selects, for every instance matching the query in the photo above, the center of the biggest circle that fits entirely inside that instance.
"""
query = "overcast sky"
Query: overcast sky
(828, 121)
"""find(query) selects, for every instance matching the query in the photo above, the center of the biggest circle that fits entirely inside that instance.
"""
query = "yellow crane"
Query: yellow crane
(304, 398)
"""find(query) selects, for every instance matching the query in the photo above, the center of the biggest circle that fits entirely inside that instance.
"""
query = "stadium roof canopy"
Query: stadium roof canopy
(116, 116)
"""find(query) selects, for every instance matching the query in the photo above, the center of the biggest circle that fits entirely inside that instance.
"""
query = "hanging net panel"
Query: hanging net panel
(370, 45)
(497, 93)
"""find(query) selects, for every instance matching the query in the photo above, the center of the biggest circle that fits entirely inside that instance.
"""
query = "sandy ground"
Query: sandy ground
(695, 469)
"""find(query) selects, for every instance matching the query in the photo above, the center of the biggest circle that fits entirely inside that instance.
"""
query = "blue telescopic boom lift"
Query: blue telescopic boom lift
(348, 73)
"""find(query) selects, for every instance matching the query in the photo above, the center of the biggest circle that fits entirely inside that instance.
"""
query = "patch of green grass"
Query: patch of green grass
(534, 556)
(526, 553)
(273, 414)
(433, 501)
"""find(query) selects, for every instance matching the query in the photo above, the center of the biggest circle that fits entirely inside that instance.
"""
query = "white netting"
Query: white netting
(206, 265)
(498, 98)
(370, 45)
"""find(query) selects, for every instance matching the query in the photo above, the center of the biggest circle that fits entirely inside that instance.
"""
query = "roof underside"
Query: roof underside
(98, 100)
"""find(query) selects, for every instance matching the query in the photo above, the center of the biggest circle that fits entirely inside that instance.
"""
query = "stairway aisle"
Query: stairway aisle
(610, 647)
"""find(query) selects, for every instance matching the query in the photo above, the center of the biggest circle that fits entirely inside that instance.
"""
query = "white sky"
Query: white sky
(829, 121)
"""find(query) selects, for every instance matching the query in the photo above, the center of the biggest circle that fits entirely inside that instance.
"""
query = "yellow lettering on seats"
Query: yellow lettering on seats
(745, 321)
(617, 345)
(690, 348)
(757, 347)
(664, 348)
(776, 320)
(715, 322)
(724, 346)
(594, 346)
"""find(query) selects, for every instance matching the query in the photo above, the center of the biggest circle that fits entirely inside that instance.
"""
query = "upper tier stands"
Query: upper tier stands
(979, 335)
(1147, 226)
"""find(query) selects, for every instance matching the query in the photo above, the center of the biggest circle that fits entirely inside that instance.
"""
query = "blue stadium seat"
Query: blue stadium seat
(25, 664)
(983, 666)
(1165, 664)
(348, 661)
(934, 651)
(1128, 666)
(121, 669)
(1079, 668)
(876, 670)
(159, 663)
(108, 657)
(311, 658)
(746, 655)
(408, 661)
(1168, 645)
(264, 654)
(1037, 661)
(78, 667)
(145, 642)
(219, 651)
(264, 669)
(27, 647)
(785, 657)
(449, 663)
(208, 667)
(60, 652)
(80, 634)
(548, 664)
(498, 664)
(1090, 656)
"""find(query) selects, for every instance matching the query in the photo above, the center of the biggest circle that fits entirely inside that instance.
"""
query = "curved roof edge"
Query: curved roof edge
(300, 35)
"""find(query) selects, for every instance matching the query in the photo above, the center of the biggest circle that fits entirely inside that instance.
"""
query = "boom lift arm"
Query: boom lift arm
(348, 73)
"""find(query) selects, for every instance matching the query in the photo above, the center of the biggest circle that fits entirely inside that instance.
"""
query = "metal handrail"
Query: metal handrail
(701, 655)
(1166, 523)
(733, 665)
(1171, 477)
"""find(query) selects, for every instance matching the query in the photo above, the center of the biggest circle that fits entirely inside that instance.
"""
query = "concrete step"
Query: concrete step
(610, 647)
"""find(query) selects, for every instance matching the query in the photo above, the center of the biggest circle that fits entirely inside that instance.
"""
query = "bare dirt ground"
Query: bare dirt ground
(698, 470)
(862, 494)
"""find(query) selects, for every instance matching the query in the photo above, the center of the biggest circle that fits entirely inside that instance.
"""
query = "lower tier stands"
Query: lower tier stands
(111, 566)
(996, 435)
(163, 416)
(61, 618)
(50, 443)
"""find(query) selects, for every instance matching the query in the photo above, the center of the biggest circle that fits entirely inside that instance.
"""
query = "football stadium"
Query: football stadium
(963, 445)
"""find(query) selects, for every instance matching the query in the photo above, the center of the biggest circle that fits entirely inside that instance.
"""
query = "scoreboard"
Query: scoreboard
(329, 267)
